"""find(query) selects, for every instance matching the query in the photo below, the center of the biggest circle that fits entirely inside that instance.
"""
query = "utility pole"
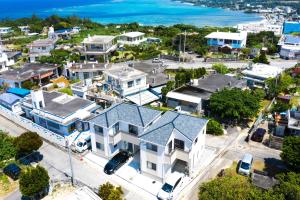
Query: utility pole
(179, 46)
(70, 160)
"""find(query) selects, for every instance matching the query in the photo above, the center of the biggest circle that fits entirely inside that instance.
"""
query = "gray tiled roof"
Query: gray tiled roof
(129, 113)
(160, 131)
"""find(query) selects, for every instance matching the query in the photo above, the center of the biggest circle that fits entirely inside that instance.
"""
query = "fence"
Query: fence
(31, 126)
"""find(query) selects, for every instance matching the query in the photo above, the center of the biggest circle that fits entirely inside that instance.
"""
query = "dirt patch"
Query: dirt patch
(60, 191)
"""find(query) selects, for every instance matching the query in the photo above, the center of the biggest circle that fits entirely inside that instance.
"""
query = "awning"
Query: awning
(142, 98)
(18, 91)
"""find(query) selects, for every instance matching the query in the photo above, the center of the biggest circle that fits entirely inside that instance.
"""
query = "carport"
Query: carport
(180, 166)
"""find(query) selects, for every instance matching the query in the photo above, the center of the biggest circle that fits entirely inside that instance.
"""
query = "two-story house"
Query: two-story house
(58, 112)
(41, 47)
(217, 40)
(166, 142)
(98, 46)
(126, 80)
(5, 30)
(132, 38)
(119, 127)
(175, 142)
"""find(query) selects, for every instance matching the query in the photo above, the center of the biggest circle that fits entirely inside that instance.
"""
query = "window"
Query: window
(179, 144)
(196, 140)
(53, 125)
(98, 130)
(133, 129)
(177, 182)
(130, 84)
(86, 75)
(151, 147)
(99, 146)
(151, 165)
(138, 81)
(116, 128)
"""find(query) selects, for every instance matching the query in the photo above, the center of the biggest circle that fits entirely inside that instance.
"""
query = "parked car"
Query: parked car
(258, 135)
(169, 187)
(156, 60)
(12, 170)
(245, 165)
(116, 162)
(27, 159)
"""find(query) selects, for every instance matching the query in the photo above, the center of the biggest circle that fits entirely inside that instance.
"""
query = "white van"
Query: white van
(82, 143)
(246, 165)
(168, 188)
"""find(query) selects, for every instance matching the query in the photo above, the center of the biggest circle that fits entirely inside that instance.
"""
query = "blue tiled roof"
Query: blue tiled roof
(290, 39)
(9, 99)
(129, 113)
(188, 126)
(18, 91)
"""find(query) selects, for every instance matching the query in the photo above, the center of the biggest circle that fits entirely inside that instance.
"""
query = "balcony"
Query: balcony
(177, 154)
(121, 135)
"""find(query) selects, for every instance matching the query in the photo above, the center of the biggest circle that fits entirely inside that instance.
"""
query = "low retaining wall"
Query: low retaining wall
(31, 126)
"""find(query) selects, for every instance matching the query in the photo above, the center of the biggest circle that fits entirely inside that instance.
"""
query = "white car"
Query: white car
(246, 165)
(171, 184)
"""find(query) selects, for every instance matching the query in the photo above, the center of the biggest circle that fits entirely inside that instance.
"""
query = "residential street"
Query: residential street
(229, 148)
(56, 161)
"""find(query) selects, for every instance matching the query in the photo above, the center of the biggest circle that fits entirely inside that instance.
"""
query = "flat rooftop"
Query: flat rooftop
(155, 73)
(263, 71)
(62, 105)
(227, 35)
(41, 43)
(124, 73)
(290, 39)
(133, 34)
(29, 70)
(215, 82)
(98, 39)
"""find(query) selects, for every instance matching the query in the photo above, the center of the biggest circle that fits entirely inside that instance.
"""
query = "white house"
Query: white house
(5, 30)
(125, 80)
(25, 29)
(166, 143)
(232, 40)
(98, 46)
(42, 47)
(58, 112)
(289, 47)
(258, 73)
(132, 38)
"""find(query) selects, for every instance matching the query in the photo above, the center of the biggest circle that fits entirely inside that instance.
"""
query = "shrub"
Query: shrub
(214, 128)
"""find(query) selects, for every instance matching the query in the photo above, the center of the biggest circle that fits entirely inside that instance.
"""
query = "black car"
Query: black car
(258, 135)
(12, 170)
(116, 162)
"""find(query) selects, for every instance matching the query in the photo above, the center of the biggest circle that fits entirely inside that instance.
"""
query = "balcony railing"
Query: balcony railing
(177, 154)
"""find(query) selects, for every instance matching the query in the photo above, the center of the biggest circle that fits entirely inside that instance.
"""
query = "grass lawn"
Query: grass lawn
(7, 185)
(66, 91)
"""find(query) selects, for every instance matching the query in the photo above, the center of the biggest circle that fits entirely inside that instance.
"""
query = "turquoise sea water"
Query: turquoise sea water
(148, 12)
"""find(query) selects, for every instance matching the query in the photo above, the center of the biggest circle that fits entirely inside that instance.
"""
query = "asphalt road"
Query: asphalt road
(56, 161)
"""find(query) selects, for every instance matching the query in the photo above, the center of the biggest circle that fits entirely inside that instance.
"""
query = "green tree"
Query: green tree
(33, 181)
(233, 105)
(28, 142)
(220, 68)
(280, 107)
(291, 152)
(7, 147)
(289, 185)
(261, 58)
(108, 191)
(214, 128)
(259, 93)
(29, 85)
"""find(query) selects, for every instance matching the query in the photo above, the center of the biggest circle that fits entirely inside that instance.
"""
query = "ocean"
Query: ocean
(146, 12)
